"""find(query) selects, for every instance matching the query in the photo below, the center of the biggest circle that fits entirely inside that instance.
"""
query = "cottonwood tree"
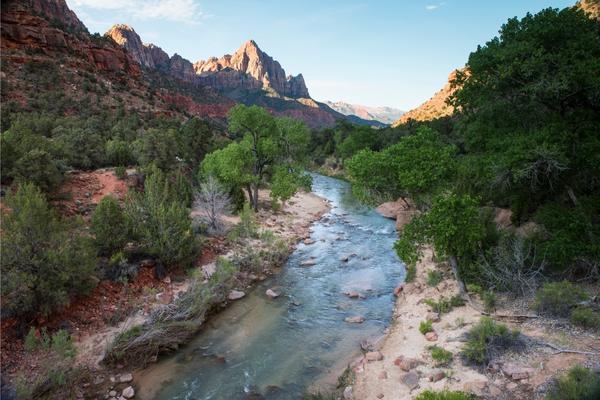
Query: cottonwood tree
(263, 143)
(213, 201)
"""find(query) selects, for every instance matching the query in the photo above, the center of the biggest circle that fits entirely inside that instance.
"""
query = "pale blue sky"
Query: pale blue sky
(392, 53)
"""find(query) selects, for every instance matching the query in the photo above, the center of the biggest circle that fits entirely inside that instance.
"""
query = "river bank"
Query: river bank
(403, 365)
(291, 224)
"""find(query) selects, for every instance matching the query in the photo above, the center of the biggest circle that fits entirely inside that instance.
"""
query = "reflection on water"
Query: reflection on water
(278, 348)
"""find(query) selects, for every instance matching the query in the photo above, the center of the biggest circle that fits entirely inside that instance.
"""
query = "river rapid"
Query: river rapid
(280, 348)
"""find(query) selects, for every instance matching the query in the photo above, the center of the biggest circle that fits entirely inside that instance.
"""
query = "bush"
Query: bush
(444, 395)
(248, 227)
(425, 326)
(578, 384)
(63, 345)
(487, 339)
(489, 301)
(444, 305)
(411, 273)
(473, 288)
(585, 317)
(557, 298)
(38, 167)
(440, 355)
(121, 172)
(434, 278)
(161, 223)
(45, 261)
(108, 226)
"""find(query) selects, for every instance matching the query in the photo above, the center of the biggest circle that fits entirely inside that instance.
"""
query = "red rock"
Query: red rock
(398, 289)
(431, 336)
(516, 371)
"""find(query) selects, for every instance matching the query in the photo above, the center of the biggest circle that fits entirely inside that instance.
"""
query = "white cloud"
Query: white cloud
(431, 7)
(186, 11)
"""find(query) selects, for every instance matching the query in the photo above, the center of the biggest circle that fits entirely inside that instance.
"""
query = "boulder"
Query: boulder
(398, 289)
(348, 395)
(308, 263)
(272, 294)
(308, 241)
(353, 294)
(125, 378)
(235, 295)
(433, 316)
(374, 356)
(406, 364)
(390, 209)
(517, 371)
(431, 336)
(410, 379)
(128, 392)
(403, 218)
(208, 270)
(437, 376)
(358, 319)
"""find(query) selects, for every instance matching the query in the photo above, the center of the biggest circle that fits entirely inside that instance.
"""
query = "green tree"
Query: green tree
(264, 143)
(39, 167)
(161, 222)
(159, 147)
(45, 260)
(108, 226)
(197, 140)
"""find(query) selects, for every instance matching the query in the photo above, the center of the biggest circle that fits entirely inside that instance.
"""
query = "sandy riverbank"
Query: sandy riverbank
(405, 368)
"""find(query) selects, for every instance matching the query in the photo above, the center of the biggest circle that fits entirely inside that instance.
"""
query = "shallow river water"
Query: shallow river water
(281, 348)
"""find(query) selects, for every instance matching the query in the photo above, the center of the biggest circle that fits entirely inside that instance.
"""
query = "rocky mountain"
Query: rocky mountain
(250, 68)
(249, 76)
(592, 7)
(385, 115)
(435, 107)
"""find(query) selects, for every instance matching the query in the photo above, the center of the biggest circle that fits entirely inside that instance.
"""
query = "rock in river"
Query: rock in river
(272, 294)
(355, 319)
(235, 295)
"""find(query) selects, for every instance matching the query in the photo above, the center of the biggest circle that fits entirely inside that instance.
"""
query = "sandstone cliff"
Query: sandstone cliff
(250, 68)
(435, 107)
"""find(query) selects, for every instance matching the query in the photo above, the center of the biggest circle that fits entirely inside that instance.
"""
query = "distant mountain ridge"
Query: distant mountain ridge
(385, 115)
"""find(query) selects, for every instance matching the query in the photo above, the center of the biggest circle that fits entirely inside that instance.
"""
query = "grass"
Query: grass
(434, 277)
(425, 326)
(578, 384)
(440, 355)
(487, 339)
(411, 273)
(444, 395)
(557, 298)
(489, 301)
(444, 305)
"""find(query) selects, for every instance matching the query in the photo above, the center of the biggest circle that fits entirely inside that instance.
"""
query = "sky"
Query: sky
(376, 52)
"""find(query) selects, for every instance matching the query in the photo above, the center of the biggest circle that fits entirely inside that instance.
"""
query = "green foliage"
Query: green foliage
(489, 301)
(434, 277)
(444, 395)
(579, 383)
(453, 226)
(247, 227)
(416, 165)
(45, 260)
(557, 298)
(267, 147)
(118, 153)
(360, 138)
(38, 167)
(473, 288)
(62, 344)
(286, 181)
(197, 139)
(31, 342)
(425, 326)
(571, 236)
(444, 305)
(159, 147)
(440, 355)
(411, 273)
(109, 227)
(161, 223)
(487, 339)
(82, 148)
(585, 317)
(121, 172)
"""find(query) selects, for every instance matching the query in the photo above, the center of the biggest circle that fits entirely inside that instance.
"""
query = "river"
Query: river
(280, 348)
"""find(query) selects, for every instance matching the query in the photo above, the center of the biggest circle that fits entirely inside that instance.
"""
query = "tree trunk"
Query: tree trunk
(454, 266)
(256, 197)
(250, 198)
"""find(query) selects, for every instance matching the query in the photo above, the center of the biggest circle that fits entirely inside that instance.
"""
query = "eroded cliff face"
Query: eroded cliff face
(50, 27)
(435, 107)
(261, 71)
